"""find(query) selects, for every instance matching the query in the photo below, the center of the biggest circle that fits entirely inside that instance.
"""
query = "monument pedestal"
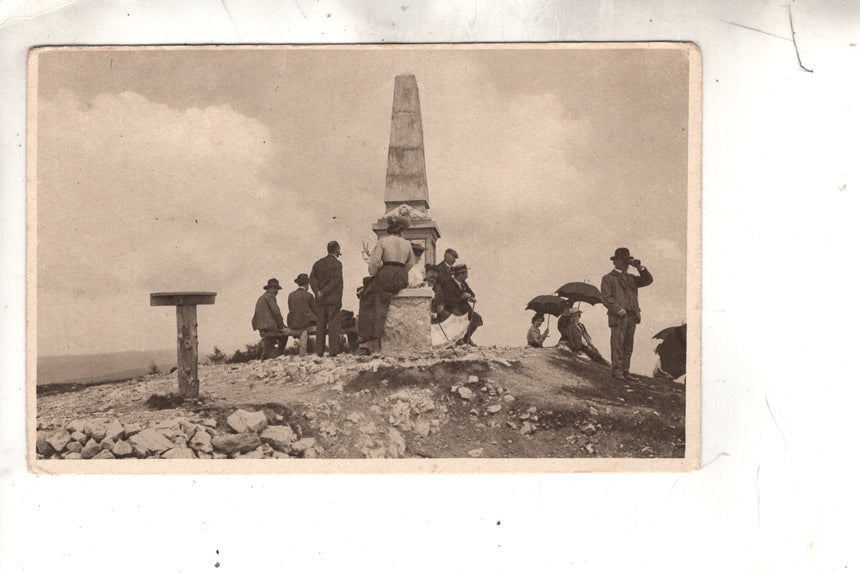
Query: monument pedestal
(407, 326)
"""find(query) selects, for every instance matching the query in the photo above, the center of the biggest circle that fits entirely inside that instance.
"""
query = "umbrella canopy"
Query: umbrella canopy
(673, 331)
(584, 292)
(548, 304)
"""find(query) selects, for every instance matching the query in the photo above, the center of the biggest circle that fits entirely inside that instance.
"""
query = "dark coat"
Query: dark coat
(621, 290)
(451, 297)
(444, 271)
(326, 280)
(267, 315)
(302, 307)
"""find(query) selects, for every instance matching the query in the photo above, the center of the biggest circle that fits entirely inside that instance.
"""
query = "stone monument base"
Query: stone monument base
(407, 326)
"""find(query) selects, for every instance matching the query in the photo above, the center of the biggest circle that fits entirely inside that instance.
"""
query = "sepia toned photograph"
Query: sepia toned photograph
(413, 258)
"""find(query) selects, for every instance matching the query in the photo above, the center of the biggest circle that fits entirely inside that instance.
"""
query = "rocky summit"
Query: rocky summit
(464, 402)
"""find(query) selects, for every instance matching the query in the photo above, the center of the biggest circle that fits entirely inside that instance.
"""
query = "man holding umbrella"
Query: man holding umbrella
(620, 293)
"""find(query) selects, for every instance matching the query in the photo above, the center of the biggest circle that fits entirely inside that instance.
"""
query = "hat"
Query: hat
(458, 269)
(452, 252)
(621, 253)
(272, 283)
(301, 280)
(418, 246)
(333, 247)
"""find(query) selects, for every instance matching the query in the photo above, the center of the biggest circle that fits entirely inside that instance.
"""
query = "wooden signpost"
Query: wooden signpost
(186, 334)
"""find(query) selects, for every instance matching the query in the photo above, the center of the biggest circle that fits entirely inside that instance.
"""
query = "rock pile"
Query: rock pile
(179, 438)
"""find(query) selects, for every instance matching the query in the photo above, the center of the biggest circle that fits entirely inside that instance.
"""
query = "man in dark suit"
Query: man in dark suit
(269, 321)
(455, 297)
(444, 268)
(620, 293)
(326, 281)
(302, 311)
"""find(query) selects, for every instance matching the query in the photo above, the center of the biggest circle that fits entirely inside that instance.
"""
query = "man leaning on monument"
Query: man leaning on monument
(326, 281)
(388, 267)
(620, 293)
(302, 312)
(269, 321)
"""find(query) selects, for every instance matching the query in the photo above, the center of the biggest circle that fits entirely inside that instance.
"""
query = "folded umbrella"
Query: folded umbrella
(580, 292)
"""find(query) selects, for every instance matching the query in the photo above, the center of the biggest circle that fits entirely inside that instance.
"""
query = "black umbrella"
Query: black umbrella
(584, 292)
(548, 304)
(679, 331)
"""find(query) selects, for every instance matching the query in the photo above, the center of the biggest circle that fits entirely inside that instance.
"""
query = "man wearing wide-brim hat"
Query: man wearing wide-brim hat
(456, 297)
(269, 321)
(302, 311)
(620, 293)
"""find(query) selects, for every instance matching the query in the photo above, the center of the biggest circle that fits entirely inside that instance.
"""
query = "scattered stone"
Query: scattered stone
(42, 445)
(503, 362)
(103, 455)
(79, 437)
(114, 431)
(107, 444)
(508, 398)
(588, 448)
(473, 379)
(525, 416)
(58, 439)
(179, 453)
(201, 441)
(72, 456)
(398, 443)
(252, 455)
(208, 422)
(75, 426)
(354, 417)
(421, 428)
(278, 437)
(122, 449)
(232, 443)
(588, 429)
(243, 421)
(91, 449)
(465, 393)
(494, 409)
(74, 447)
(593, 410)
(527, 428)
(477, 452)
(280, 455)
(512, 425)
(532, 410)
(300, 446)
(149, 441)
(94, 430)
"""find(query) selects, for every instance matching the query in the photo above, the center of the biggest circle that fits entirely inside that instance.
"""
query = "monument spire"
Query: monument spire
(406, 191)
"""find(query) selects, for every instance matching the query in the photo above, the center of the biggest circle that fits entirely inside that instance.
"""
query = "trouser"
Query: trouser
(328, 321)
(475, 321)
(621, 343)
(303, 341)
(273, 346)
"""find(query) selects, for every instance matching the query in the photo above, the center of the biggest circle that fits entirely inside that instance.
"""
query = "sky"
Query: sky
(217, 169)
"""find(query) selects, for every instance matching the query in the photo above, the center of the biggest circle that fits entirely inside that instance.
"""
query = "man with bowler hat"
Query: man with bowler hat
(326, 281)
(620, 293)
(445, 268)
(302, 312)
(269, 321)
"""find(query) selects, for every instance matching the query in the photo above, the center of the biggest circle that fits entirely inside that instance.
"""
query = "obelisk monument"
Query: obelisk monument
(406, 178)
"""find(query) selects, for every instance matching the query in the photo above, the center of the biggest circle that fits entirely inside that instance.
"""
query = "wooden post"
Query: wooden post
(186, 334)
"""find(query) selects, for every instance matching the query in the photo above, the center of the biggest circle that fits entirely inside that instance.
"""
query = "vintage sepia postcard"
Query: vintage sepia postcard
(364, 258)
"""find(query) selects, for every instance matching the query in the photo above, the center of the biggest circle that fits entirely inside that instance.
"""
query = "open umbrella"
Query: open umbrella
(673, 350)
(548, 304)
(576, 292)
(672, 331)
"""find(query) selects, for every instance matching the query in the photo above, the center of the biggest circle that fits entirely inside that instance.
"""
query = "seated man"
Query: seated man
(302, 311)
(457, 298)
(534, 337)
(269, 321)
(574, 334)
